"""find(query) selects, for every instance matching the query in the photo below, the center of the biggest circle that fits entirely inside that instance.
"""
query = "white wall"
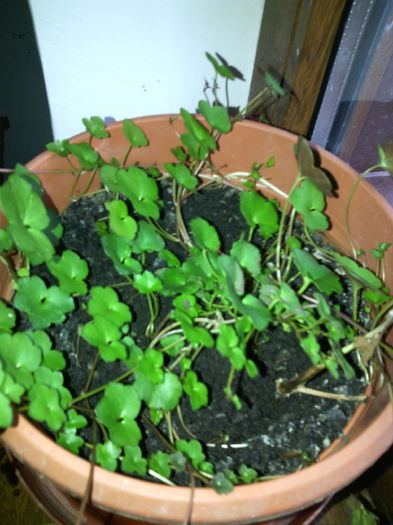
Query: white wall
(127, 58)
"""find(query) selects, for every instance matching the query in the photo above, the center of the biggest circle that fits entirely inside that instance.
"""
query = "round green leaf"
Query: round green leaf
(120, 221)
(6, 412)
(70, 269)
(205, 235)
(107, 455)
(105, 302)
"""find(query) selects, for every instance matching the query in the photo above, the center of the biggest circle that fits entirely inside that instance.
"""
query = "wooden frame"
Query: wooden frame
(295, 45)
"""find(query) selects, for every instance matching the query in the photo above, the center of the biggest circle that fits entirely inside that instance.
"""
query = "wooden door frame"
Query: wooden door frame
(295, 46)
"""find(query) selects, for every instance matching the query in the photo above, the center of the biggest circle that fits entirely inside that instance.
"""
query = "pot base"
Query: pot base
(63, 508)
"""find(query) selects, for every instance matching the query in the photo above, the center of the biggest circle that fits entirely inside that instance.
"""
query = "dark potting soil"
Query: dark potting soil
(274, 434)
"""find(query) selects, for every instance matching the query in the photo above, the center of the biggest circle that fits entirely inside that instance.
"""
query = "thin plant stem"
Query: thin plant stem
(347, 205)
(99, 389)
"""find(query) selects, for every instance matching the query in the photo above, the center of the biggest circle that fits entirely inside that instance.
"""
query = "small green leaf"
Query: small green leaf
(172, 344)
(86, 155)
(220, 69)
(43, 305)
(107, 455)
(120, 221)
(259, 211)
(96, 127)
(247, 255)
(309, 201)
(7, 318)
(60, 147)
(5, 241)
(198, 132)
(386, 158)
(217, 116)
(259, 314)
(251, 369)
(75, 420)
(20, 351)
(247, 474)
(45, 406)
(134, 134)
(196, 334)
(165, 395)
(105, 335)
(196, 391)
(71, 270)
(182, 175)
(205, 235)
(363, 276)
(151, 365)
(312, 348)
(222, 485)
(117, 410)
(323, 278)
(274, 84)
(146, 282)
(70, 440)
(133, 462)
(105, 302)
(10, 388)
(159, 462)
(147, 239)
(6, 412)
(20, 200)
(52, 359)
(169, 257)
(192, 450)
(119, 251)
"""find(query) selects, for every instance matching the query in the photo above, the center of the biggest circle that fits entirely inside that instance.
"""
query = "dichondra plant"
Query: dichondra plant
(200, 297)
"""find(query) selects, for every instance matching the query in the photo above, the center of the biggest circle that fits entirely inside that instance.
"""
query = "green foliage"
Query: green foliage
(28, 218)
(7, 318)
(182, 174)
(117, 410)
(88, 158)
(45, 406)
(104, 302)
(134, 134)
(205, 235)
(220, 69)
(107, 455)
(43, 305)
(217, 116)
(199, 294)
(105, 335)
(133, 462)
(196, 390)
(96, 127)
(260, 212)
(309, 201)
(120, 221)
(71, 271)
(222, 484)
(314, 272)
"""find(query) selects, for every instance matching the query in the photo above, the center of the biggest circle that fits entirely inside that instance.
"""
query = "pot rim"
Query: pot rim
(244, 502)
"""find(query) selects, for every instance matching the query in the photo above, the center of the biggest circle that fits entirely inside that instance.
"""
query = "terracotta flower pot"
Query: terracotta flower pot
(369, 433)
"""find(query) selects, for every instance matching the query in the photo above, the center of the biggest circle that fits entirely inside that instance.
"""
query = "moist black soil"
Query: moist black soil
(274, 434)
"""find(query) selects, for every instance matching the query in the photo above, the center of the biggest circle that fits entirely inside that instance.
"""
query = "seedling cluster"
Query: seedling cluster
(274, 275)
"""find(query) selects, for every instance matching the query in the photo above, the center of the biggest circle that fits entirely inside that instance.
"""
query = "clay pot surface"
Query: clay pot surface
(369, 433)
